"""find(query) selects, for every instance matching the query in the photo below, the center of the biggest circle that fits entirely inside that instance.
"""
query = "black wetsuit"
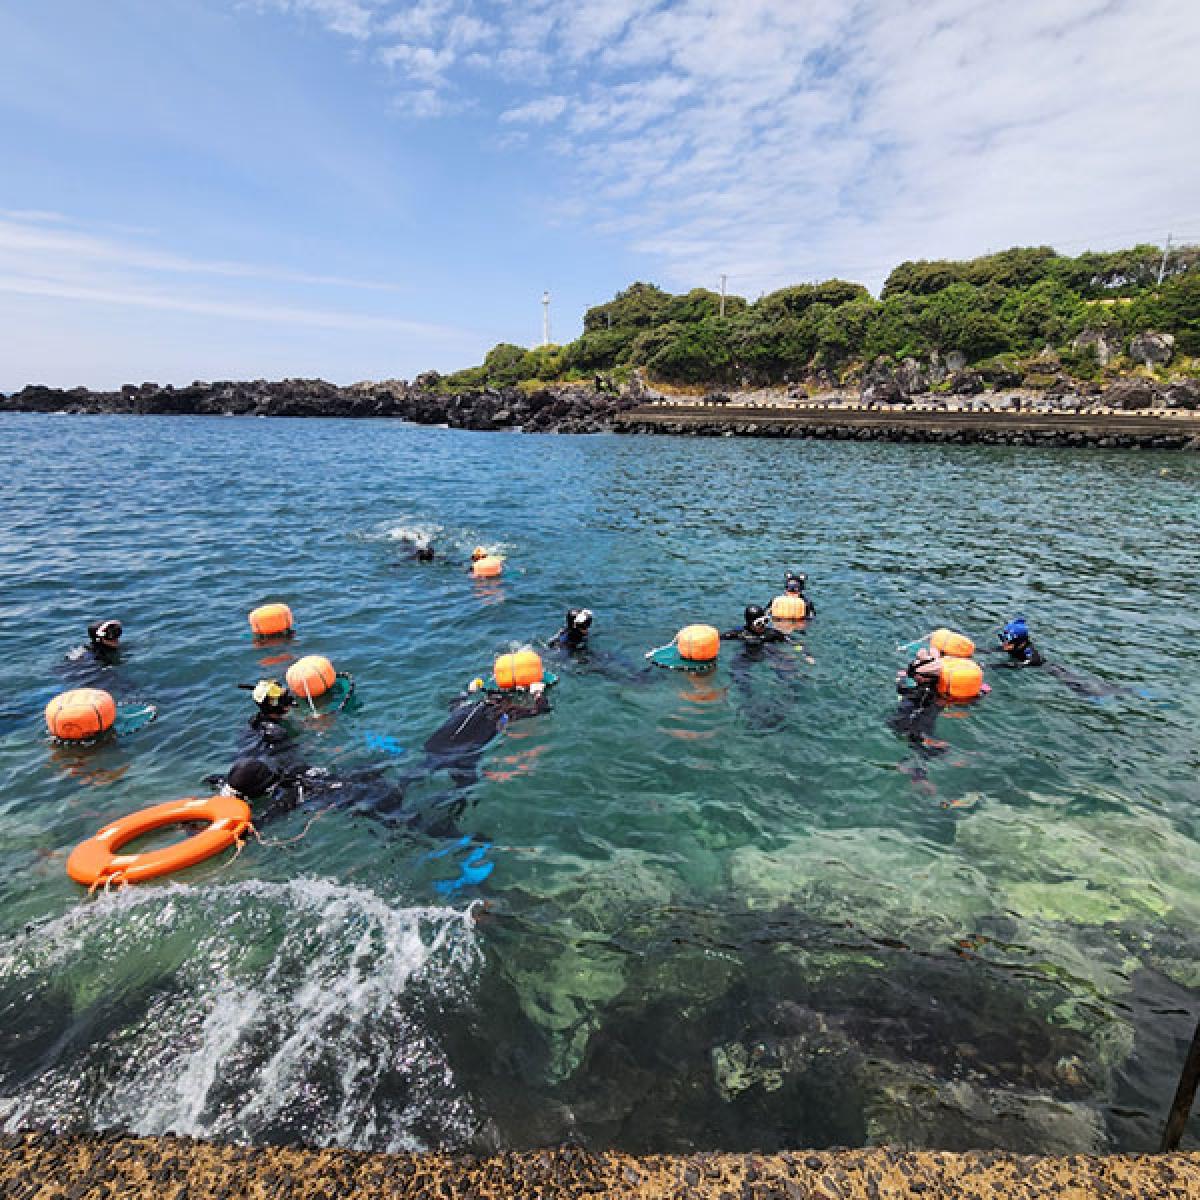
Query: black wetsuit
(571, 641)
(918, 711)
(765, 708)
(753, 640)
(459, 742)
(1022, 653)
(456, 746)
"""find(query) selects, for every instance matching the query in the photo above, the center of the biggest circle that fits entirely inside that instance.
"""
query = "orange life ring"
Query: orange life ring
(98, 861)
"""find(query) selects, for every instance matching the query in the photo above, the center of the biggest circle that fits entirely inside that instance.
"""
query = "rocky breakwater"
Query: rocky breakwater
(566, 408)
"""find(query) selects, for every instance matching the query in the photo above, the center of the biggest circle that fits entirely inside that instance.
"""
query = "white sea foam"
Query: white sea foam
(250, 1012)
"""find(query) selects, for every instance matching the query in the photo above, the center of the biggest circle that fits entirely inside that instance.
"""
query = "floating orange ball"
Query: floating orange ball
(789, 608)
(960, 679)
(80, 714)
(271, 620)
(698, 643)
(487, 567)
(955, 645)
(518, 670)
(311, 676)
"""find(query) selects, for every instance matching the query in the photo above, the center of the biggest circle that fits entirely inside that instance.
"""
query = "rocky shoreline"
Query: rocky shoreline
(881, 409)
(42, 1166)
(558, 409)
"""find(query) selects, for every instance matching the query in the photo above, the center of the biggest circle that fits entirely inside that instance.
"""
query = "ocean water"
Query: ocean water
(728, 911)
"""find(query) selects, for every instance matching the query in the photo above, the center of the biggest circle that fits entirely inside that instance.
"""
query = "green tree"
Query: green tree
(506, 364)
(638, 306)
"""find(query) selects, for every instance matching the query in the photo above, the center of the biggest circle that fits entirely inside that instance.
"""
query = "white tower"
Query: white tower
(545, 318)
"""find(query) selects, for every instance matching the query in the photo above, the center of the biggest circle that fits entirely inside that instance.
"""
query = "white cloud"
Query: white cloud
(351, 18)
(535, 112)
(780, 141)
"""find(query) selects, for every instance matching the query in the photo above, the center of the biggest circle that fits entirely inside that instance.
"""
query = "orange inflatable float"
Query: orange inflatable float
(81, 714)
(518, 670)
(954, 645)
(271, 620)
(487, 567)
(311, 676)
(698, 643)
(98, 861)
(789, 608)
(960, 679)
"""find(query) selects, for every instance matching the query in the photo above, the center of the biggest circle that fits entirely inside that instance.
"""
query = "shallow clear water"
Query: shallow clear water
(724, 911)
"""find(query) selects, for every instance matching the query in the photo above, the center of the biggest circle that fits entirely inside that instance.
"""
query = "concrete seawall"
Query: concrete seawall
(89, 1167)
(1166, 430)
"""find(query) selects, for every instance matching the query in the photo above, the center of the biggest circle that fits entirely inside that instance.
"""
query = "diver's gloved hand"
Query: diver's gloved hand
(536, 689)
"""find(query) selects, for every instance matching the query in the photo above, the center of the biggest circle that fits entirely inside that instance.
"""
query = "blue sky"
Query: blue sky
(369, 188)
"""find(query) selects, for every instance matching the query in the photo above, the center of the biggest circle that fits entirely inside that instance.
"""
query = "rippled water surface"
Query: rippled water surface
(725, 911)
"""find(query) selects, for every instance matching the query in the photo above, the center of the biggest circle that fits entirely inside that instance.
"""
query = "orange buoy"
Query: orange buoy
(311, 676)
(518, 670)
(487, 567)
(960, 679)
(698, 643)
(80, 714)
(99, 861)
(789, 608)
(955, 645)
(271, 620)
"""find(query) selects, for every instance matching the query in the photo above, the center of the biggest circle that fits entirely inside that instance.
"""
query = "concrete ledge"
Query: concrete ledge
(44, 1166)
(1107, 424)
(1159, 430)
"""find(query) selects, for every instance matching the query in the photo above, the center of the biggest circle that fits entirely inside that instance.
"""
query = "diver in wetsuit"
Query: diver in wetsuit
(1015, 642)
(756, 630)
(273, 701)
(272, 789)
(573, 636)
(104, 641)
(766, 712)
(919, 707)
(103, 647)
(458, 743)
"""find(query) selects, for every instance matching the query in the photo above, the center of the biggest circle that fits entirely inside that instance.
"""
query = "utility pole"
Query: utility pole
(545, 318)
(723, 278)
(1162, 267)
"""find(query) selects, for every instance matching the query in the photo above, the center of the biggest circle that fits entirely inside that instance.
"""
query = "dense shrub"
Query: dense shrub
(992, 310)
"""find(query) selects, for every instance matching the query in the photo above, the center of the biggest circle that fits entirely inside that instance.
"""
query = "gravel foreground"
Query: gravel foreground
(90, 1167)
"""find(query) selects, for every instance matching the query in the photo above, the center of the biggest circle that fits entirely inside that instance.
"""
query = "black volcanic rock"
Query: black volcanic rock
(549, 409)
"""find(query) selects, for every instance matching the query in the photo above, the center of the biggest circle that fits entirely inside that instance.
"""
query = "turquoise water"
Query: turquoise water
(728, 911)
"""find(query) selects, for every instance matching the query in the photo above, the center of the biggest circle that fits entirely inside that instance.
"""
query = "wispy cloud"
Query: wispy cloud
(231, 310)
(42, 257)
(535, 112)
(25, 240)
